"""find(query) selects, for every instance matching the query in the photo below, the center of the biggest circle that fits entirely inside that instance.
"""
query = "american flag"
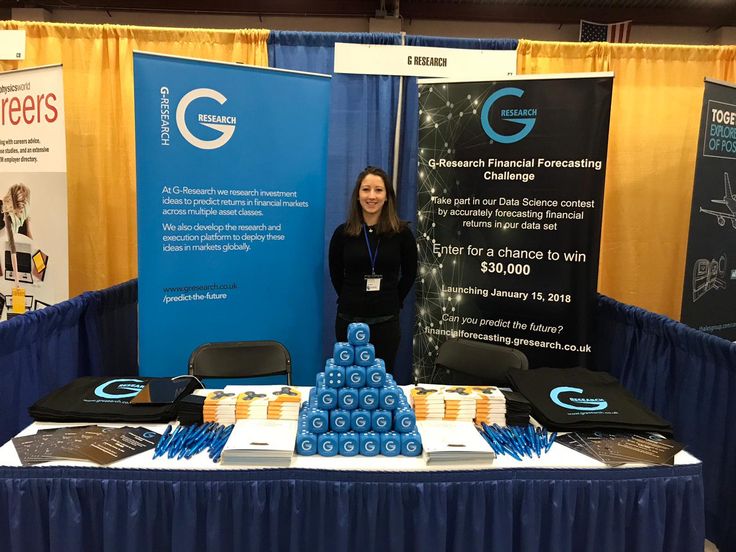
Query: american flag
(604, 32)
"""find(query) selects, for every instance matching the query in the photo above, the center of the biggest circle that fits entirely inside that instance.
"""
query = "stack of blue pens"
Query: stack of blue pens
(517, 441)
(186, 441)
(356, 407)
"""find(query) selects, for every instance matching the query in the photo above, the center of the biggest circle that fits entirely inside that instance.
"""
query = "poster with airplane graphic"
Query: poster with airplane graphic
(709, 291)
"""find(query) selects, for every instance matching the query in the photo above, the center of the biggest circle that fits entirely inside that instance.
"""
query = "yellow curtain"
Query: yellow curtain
(100, 134)
(655, 117)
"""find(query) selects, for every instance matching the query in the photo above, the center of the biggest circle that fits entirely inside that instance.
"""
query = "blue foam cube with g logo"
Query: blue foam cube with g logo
(376, 374)
(358, 333)
(347, 398)
(326, 398)
(355, 376)
(317, 421)
(349, 444)
(389, 398)
(339, 421)
(370, 444)
(390, 444)
(380, 421)
(360, 421)
(405, 421)
(365, 355)
(306, 444)
(328, 444)
(369, 398)
(343, 354)
(411, 444)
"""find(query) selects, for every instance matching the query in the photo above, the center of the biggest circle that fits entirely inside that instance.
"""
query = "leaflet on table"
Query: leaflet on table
(453, 442)
(617, 449)
(261, 442)
(101, 445)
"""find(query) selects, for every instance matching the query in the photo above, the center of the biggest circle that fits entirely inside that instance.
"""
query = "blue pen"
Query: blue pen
(196, 445)
(194, 439)
(173, 441)
(495, 439)
(180, 443)
(225, 438)
(551, 440)
(504, 439)
(206, 439)
(533, 440)
(161, 445)
(499, 443)
(487, 439)
(219, 444)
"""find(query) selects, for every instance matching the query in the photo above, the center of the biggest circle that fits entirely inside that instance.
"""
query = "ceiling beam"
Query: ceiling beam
(711, 17)
(458, 10)
(319, 8)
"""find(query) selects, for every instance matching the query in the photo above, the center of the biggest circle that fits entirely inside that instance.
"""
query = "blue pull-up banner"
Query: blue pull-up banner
(231, 164)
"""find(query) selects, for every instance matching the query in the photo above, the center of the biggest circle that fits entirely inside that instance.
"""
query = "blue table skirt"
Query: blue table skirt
(647, 509)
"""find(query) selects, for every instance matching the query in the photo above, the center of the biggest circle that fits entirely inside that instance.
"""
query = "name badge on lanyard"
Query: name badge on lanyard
(372, 280)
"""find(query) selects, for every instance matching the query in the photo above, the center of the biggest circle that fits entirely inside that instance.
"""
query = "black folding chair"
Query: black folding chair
(240, 359)
(466, 362)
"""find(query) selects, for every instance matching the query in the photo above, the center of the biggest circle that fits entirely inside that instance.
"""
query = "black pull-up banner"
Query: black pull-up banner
(709, 292)
(511, 178)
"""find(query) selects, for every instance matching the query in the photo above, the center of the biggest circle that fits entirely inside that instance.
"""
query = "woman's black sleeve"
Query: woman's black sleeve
(335, 258)
(408, 263)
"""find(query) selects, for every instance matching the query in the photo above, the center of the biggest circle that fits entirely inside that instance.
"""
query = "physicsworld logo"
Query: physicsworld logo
(527, 117)
(224, 124)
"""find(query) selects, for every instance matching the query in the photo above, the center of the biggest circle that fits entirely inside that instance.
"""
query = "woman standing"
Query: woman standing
(373, 263)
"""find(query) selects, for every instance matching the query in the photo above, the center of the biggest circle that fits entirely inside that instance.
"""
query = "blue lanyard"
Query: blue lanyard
(372, 256)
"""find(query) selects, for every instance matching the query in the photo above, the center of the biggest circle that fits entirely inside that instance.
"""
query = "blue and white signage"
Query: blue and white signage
(231, 164)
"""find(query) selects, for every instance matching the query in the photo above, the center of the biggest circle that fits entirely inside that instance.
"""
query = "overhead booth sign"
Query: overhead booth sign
(231, 165)
(511, 180)
(34, 260)
(709, 290)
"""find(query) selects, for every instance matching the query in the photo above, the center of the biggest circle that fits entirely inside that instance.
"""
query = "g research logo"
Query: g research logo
(525, 117)
(112, 389)
(580, 403)
(224, 124)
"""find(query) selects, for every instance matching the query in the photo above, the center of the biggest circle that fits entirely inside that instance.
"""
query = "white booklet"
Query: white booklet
(261, 442)
(447, 442)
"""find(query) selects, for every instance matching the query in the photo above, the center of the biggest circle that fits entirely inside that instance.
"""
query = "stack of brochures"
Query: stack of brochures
(490, 406)
(219, 407)
(459, 404)
(453, 443)
(428, 402)
(261, 442)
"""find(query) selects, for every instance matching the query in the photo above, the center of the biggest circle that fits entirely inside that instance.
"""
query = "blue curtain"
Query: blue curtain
(616, 510)
(689, 378)
(92, 334)
(362, 126)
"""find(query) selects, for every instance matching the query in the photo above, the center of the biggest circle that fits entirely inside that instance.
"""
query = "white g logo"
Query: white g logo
(225, 129)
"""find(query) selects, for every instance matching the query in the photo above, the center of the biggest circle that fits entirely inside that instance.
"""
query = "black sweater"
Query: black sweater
(350, 263)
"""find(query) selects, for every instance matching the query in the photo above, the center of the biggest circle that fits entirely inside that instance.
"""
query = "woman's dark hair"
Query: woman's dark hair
(388, 222)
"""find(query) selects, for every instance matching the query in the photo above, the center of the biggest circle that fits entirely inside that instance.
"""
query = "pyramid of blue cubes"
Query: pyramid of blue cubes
(356, 407)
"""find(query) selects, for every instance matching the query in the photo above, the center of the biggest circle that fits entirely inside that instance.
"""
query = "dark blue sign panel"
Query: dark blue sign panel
(510, 199)
(709, 291)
